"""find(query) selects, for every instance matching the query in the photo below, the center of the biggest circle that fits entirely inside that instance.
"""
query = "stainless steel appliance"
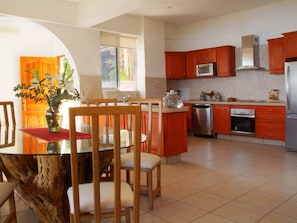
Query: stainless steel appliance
(207, 69)
(202, 119)
(250, 55)
(243, 121)
(291, 107)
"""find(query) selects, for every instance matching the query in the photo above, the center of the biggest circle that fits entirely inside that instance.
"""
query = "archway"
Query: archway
(23, 37)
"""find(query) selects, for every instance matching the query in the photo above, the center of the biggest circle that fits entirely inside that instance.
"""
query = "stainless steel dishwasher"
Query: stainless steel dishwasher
(202, 119)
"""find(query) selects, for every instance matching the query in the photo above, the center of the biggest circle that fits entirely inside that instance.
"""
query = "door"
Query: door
(33, 114)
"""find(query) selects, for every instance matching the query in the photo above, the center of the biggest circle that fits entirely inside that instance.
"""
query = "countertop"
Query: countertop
(247, 102)
(172, 110)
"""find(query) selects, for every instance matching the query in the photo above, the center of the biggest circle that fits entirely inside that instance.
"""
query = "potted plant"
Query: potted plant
(52, 90)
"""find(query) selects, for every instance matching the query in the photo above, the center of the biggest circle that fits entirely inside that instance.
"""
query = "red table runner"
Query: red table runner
(44, 134)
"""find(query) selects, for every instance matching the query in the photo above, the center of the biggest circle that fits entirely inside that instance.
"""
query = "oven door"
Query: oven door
(243, 124)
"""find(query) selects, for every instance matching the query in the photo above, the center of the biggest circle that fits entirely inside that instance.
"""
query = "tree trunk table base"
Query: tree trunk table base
(42, 181)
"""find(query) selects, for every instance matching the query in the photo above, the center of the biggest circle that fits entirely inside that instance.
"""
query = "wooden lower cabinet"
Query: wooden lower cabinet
(174, 133)
(270, 122)
(221, 119)
(189, 116)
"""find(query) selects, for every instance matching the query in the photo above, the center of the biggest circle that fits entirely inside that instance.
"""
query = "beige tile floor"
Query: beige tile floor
(221, 181)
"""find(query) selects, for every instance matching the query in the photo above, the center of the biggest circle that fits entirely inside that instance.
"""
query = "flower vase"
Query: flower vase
(54, 122)
(54, 147)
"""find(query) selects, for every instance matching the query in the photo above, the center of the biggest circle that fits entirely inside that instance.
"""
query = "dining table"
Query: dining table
(39, 163)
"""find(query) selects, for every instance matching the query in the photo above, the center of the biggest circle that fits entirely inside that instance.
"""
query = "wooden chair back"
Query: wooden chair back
(7, 125)
(107, 118)
(101, 101)
(152, 122)
(7, 115)
(94, 113)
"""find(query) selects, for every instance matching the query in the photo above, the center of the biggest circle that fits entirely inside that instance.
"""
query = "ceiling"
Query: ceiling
(180, 12)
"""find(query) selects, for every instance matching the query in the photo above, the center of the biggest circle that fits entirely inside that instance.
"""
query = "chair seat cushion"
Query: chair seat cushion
(5, 190)
(147, 160)
(106, 196)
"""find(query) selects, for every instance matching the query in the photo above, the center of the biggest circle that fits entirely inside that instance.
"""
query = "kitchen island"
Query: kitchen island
(174, 133)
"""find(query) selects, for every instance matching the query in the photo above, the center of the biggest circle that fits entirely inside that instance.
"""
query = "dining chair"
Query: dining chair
(7, 117)
(105, 174)
(150, 159)
(96, 200)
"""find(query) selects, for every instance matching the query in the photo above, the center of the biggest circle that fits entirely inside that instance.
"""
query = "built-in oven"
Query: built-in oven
(243, 121)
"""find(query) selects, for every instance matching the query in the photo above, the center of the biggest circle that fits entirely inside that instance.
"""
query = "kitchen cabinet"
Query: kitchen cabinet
(191, 61)
(221, 119)
(182, 65)
(175, 65)
(189, 116)
(174, 133)
(270, 122)
(225, 61)
(276, 53)
(206, 55)
(290, 45)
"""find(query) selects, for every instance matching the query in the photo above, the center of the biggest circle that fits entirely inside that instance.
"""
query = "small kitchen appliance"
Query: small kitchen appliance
(207, 69)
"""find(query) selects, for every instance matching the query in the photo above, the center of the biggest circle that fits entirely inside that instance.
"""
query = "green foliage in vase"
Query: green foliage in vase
(52, 90)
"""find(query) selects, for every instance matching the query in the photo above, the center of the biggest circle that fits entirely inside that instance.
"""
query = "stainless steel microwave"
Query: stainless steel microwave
(207, 69)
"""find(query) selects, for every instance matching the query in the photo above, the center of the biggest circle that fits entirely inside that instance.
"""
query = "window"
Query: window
(118, 61)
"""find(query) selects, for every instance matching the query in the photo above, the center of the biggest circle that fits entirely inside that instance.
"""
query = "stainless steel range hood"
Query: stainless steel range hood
(250, 53)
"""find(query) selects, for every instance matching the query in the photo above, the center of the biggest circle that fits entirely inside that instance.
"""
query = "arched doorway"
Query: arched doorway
(23, 37)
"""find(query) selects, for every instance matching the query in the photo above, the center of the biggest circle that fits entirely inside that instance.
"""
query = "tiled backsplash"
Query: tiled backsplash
(245, 85)
(155, 87)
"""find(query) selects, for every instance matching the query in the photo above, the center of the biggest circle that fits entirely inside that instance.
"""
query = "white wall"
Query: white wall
(266, 22)
(154, 46)
(81, 47)
(25, 39)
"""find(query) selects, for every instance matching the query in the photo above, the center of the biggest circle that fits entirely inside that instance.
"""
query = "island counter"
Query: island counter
(174, 133)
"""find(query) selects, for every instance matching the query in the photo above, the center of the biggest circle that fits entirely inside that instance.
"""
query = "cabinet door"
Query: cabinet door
(206, 55)
(290, 45)
(226, 61)
(270, 122)
(276, 52)
(175, 133)
(221, 119)
(189, 116)
(175, 65)
(191, 61)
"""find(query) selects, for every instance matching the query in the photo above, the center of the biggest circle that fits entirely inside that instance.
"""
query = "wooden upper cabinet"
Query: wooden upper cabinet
(181, 65)
(276, 53)
(191, 61)
(206, 55)
(290, 39)
(175, 65)
(226, 61)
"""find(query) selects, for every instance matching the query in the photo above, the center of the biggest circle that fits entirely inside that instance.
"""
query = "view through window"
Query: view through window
(118, 67)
